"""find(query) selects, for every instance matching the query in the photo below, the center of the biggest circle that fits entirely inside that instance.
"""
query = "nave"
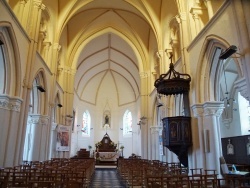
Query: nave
(131, 173)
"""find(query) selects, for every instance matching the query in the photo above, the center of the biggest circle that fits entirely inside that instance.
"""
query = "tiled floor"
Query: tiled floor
(106, 177)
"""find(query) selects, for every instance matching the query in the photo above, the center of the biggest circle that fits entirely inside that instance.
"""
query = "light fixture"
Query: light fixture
(41, 88)
(60, 105)
(224, 55)
(228, 52)
(227, 99)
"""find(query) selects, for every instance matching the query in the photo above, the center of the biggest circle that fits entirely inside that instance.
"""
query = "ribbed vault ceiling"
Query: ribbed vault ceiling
(107, 44)
(107, 66)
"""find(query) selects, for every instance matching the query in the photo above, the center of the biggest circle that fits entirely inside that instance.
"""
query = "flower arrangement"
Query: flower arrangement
(98, 144)
(90, 147)
(122, 147)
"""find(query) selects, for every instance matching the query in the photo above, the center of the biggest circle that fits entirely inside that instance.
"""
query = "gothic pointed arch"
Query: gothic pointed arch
(210, 69)
(10, 61)
(38, 96)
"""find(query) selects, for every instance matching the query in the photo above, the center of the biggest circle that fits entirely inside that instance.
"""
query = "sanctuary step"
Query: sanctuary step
(106, 163)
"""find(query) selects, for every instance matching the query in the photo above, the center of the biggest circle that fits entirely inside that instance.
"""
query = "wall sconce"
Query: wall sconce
(227, 98)
(41, 88)
(60, 105)
(228, 52)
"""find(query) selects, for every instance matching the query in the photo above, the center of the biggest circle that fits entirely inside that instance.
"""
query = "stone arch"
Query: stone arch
(12, 60)
(209, 70)
(40, 80)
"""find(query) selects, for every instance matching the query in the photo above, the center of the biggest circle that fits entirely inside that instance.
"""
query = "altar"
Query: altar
(107, 156)
(106, 152)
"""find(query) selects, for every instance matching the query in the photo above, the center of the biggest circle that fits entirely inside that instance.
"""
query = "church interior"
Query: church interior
(113, 80)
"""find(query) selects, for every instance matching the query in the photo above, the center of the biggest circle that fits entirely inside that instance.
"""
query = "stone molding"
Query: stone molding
(208, 109)
(241, 85)
(155, 129)
(10, 103)
(38, 119)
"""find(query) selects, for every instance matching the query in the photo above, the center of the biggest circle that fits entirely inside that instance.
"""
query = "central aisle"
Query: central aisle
(106, 177)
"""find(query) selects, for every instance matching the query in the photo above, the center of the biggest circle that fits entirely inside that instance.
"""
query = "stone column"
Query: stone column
(38, 136)
(144, 138)
(143, 142)
(196, 21)
(175, 44)
(10, 130)
(155, 146)
(45, 51)
(184, 36)
(41, 38)
(209, 8)
(53, 137)
(160, 66)
(21, 11)
(209, 133)
(33, 30)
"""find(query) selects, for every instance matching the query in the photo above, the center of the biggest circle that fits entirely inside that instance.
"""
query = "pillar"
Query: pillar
(184, 34)
(33, 30)
(155, 144)
(21, 11)
(10, 127)
(38, 125)
(210, 149)
(209, 8)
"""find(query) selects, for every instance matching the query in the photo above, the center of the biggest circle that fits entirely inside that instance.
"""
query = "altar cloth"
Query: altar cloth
(107, 156)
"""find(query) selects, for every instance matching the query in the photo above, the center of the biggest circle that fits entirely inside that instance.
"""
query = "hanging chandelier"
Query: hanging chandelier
(224, 55)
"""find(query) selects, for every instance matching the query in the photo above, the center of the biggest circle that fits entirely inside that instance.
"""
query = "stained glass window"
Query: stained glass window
(86, 124)
(127, 122)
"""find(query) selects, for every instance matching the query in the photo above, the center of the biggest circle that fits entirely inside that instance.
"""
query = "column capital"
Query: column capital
(197, 10)
(46, 44)
(10, 103)
(208, 109)
(143, 74)
(68, 120)
(37, 3)
(23, 1)
(160, 54)
(155, 129)
(181, 17)
(57, 46)
(38, 119)
(174, 43)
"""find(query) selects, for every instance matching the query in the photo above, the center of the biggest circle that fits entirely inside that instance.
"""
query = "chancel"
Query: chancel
(106, 151)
